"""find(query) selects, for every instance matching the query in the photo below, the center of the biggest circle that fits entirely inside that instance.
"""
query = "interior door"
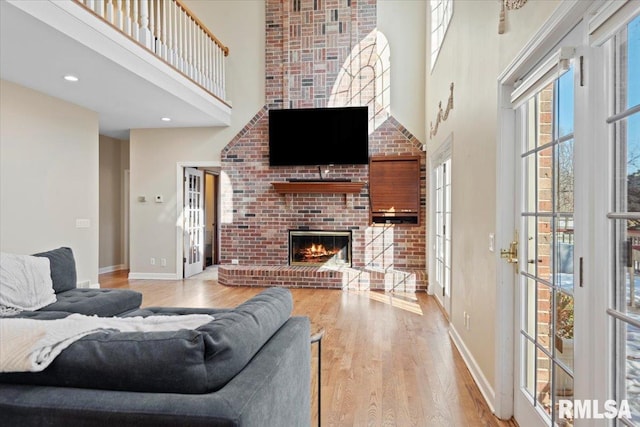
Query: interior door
(544, 368)
(442, 233)
(194, 221)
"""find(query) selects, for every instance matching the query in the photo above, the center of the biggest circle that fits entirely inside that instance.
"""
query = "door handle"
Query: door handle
(511, 254)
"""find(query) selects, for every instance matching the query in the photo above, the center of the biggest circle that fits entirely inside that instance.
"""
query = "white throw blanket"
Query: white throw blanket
(29, 345)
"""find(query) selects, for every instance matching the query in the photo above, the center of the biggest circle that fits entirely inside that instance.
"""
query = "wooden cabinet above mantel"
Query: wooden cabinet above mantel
(394, 189)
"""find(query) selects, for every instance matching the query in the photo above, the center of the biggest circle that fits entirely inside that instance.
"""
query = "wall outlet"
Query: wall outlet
(163, 262)
(468, 321)
(492, 242)
(235, 262)
(152, 261)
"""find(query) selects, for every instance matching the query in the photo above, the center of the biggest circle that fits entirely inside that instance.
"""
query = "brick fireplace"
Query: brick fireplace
(309, 46)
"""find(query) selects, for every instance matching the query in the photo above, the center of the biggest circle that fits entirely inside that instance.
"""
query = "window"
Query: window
(441, 13)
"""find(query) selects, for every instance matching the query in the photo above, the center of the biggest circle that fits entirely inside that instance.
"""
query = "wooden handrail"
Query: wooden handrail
(195, 19)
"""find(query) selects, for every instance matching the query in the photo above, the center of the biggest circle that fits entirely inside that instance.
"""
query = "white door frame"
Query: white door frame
(442, 154)
(561, 21)
(180, 166)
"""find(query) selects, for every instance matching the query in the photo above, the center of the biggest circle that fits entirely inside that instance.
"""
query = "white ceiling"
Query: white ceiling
(35, 55)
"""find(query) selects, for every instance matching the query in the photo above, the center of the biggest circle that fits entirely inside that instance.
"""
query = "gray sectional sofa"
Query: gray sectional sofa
(250, 366)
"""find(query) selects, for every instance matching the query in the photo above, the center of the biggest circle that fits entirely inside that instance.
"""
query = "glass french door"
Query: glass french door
(545, 307)
(194, 221)
(442, 232)
(624, 307)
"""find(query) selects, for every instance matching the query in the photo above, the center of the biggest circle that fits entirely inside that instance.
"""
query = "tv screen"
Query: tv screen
(319, 136)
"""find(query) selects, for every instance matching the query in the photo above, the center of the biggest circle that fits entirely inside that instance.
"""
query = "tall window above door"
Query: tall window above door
(441, 13)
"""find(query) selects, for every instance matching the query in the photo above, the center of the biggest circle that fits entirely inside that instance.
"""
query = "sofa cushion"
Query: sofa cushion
(185, 361)
(63, 268)
(100, 302)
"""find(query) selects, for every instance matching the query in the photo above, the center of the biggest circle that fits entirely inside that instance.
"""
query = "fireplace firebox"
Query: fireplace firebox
(315, 248)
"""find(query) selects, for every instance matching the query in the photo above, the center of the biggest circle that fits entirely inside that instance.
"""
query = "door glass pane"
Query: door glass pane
(564, 329)
(563, 391)
(544, 249)
(529, 296)
(564, 107)
(626, 180)
(548, 227)
(564, 253)
(530, 366)
(564, 183)
(545, 104)
(544, 315)
(632, 362)
(545, 180)
(543, 381)
(531, 200)
(531, 243)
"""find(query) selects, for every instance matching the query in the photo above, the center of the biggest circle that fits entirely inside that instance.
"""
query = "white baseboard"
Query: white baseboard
(153, 276)
(112, 268)
(485, 386)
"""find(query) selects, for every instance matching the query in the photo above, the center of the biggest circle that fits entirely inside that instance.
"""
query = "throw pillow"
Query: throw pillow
(63, 268)
(25, 282)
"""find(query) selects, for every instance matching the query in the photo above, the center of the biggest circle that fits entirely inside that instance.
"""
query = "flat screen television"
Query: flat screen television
(319, 136)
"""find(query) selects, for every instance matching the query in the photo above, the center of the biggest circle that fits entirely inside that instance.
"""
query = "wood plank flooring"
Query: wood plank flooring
(387, 360)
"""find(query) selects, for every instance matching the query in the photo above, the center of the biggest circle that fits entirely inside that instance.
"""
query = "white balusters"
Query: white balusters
(145, 35)
(169, 30)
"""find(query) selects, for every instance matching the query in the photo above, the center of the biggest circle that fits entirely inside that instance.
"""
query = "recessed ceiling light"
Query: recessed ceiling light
(71, 78)
(166, 119)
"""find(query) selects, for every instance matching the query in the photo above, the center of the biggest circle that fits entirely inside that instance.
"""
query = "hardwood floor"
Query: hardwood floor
(387, 360)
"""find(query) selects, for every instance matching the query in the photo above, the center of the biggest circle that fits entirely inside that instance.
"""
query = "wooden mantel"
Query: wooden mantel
(325, 187)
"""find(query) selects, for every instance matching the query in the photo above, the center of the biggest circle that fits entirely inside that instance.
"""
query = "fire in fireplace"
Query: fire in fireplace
(308, 247)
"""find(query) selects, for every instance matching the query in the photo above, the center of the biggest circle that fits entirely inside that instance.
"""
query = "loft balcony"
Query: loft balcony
(137, 61)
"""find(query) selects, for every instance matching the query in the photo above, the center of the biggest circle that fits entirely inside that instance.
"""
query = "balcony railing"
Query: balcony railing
(173, 33)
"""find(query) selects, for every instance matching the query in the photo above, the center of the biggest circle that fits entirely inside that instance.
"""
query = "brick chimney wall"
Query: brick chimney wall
(307, 44)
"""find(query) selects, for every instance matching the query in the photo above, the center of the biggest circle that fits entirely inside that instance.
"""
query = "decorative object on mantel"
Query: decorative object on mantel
(508, 5)
(442, 115)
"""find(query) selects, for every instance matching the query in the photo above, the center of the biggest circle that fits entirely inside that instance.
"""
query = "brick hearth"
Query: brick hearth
(320, 277)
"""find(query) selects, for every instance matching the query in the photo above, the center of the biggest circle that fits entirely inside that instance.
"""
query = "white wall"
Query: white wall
(472, 57)
(403, 23)
(48, 176)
